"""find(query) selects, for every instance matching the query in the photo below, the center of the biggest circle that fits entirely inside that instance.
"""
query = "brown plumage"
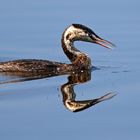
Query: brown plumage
(79, 60)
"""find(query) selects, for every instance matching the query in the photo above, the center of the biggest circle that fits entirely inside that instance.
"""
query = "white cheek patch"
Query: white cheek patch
(72, 34)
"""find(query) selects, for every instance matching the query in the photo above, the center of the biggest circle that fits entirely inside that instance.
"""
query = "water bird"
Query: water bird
(79, 60)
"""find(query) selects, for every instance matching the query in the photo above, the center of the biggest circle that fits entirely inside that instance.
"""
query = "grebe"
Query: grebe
(79, 60)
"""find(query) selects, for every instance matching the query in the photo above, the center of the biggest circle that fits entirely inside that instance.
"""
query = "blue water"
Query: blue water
(34, 109)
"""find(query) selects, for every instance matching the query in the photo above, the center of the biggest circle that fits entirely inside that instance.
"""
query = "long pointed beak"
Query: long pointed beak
(104, 43)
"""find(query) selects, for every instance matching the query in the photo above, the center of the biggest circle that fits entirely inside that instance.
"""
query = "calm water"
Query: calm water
(34, 109)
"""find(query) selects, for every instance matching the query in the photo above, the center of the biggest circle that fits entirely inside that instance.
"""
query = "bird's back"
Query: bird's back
(29, 65)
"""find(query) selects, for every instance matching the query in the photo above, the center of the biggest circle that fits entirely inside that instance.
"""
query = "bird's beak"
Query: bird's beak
(103, 43)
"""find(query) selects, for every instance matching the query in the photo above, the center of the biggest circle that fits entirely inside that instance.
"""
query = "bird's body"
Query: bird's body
(29, 65)
(79, 60)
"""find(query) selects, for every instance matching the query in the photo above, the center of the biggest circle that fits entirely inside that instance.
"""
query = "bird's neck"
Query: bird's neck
(75, 56)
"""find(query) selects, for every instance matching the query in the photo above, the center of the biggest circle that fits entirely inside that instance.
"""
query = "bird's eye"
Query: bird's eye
(86, 32)
(90, 35)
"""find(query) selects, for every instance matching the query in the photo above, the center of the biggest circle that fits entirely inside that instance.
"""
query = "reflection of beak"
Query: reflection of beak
(103, 43)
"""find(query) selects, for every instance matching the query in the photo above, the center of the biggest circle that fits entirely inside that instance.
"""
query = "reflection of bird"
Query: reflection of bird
(79, 60)
(69, 95)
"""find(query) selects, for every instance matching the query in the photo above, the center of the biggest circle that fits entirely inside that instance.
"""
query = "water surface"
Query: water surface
(34, 109)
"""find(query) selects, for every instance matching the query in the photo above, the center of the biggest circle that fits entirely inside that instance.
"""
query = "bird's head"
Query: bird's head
(80, 32)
